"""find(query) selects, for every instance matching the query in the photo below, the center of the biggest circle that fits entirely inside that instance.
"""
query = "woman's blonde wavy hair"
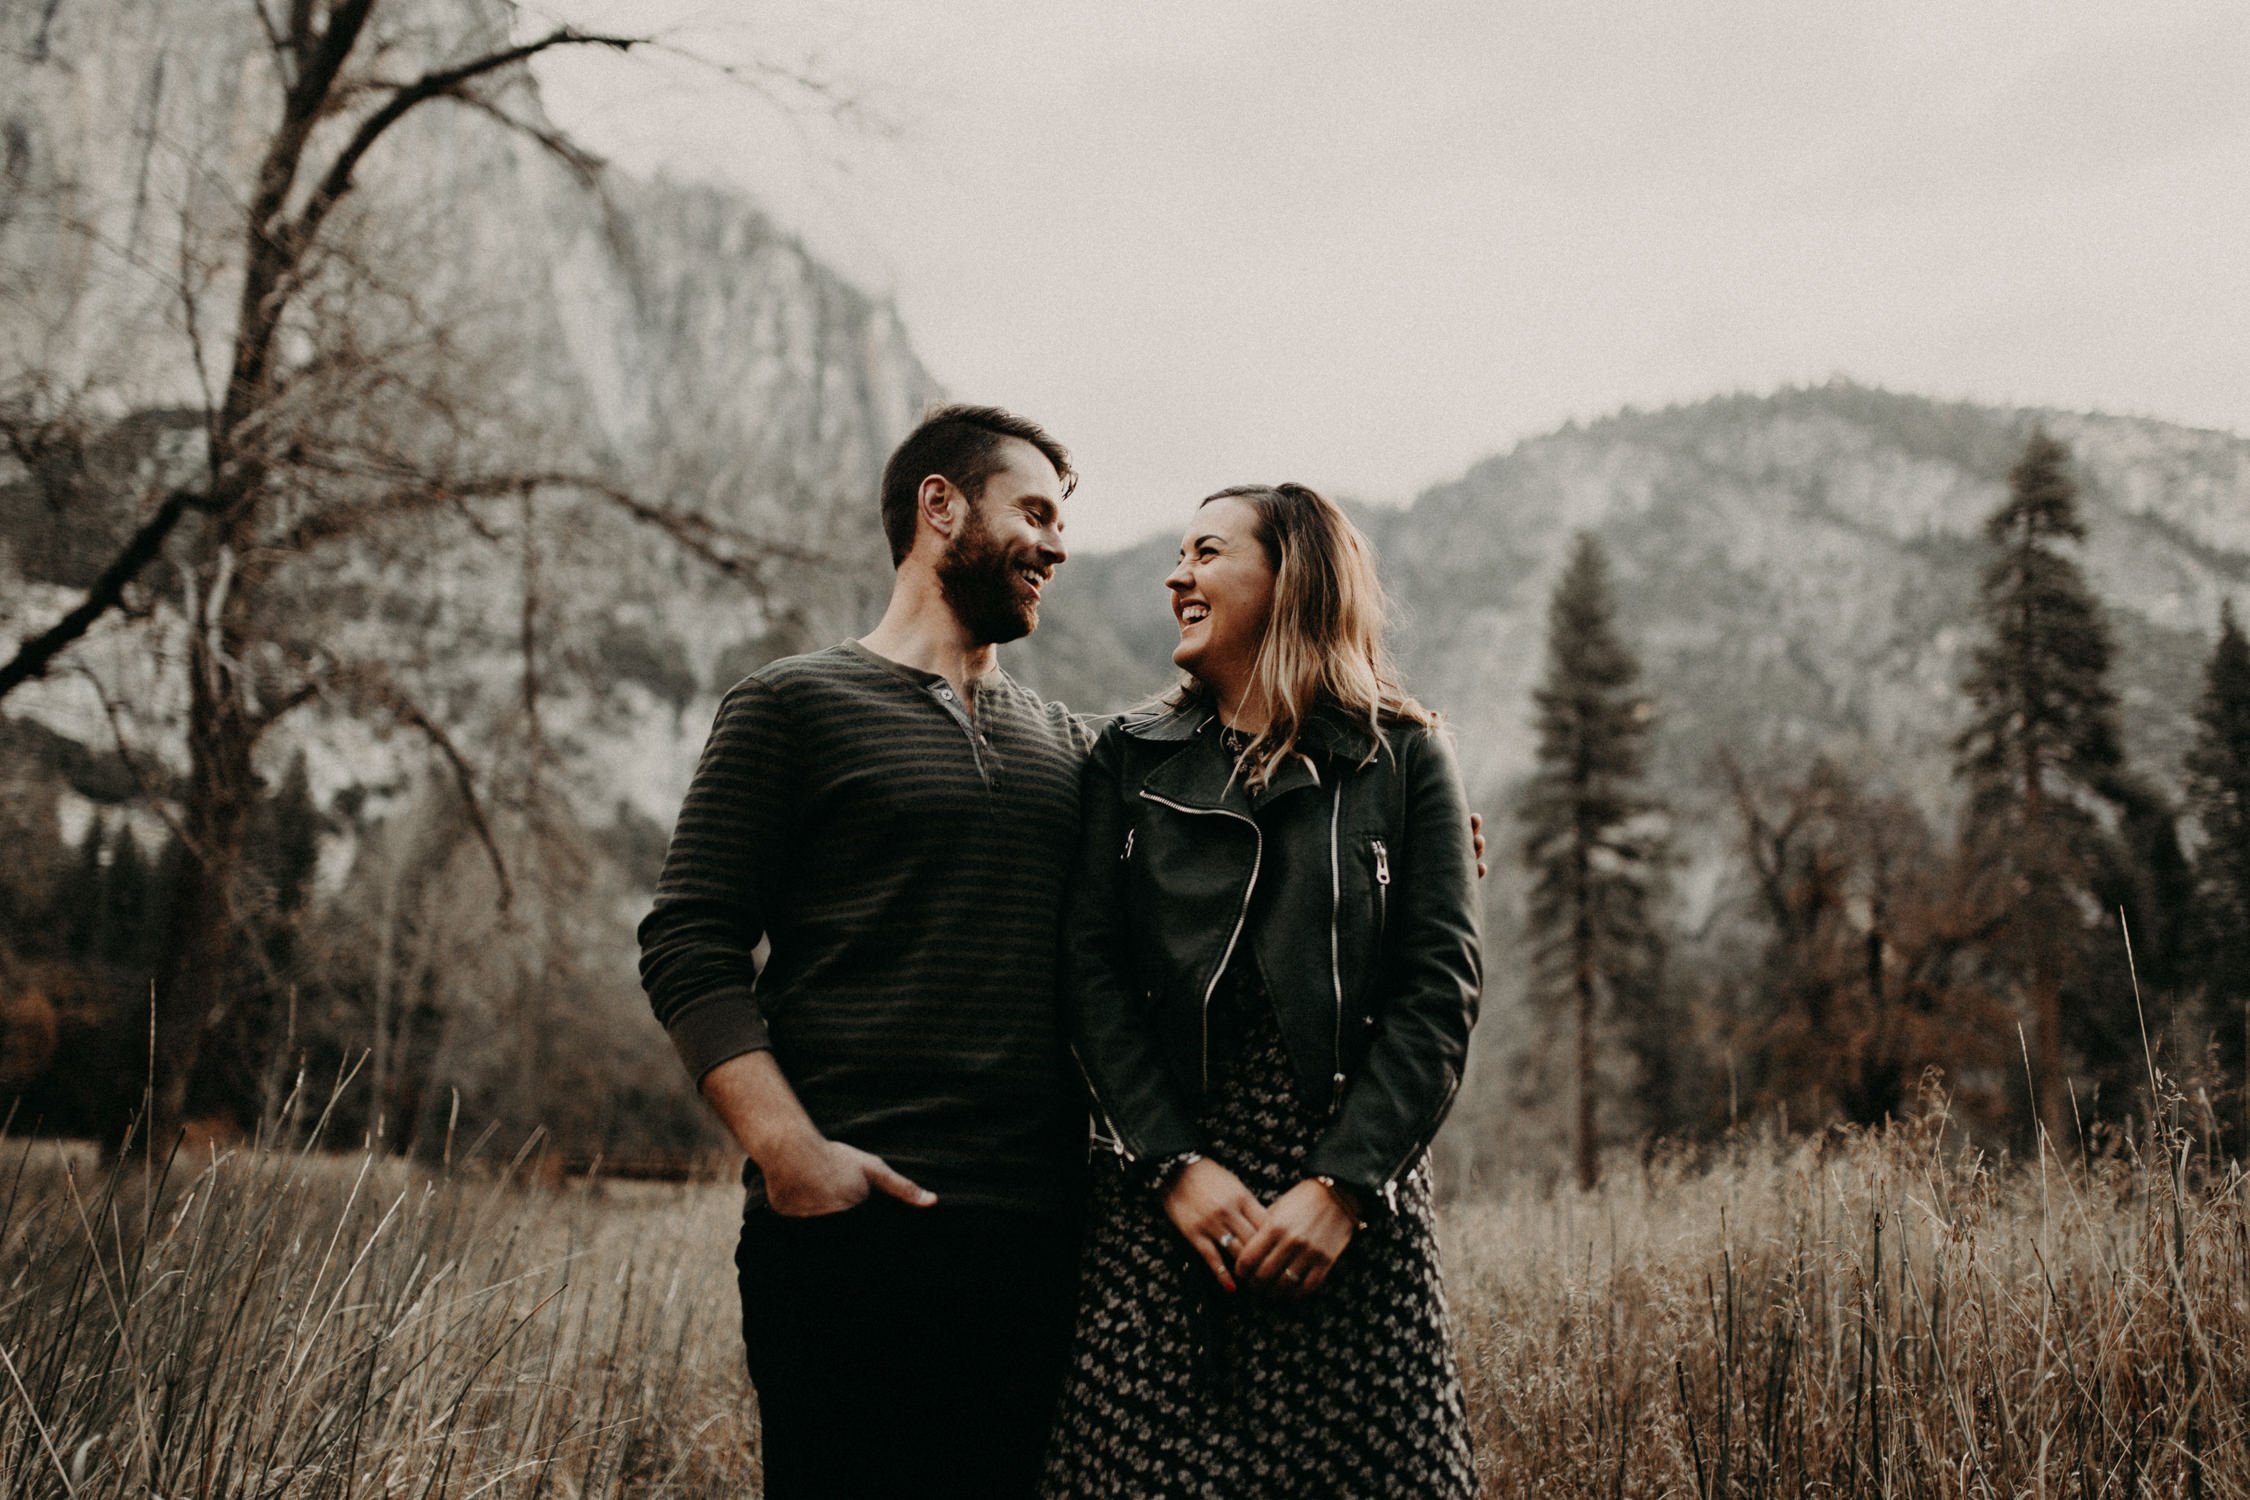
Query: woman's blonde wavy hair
(1323, 640)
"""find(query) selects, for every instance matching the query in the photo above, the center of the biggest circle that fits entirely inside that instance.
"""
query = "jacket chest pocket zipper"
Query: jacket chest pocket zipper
(1382, 888)
(1335, 950)
(1128, 852)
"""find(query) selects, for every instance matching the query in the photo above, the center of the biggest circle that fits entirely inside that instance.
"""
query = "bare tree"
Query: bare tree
(1874, 968)
(337, 425)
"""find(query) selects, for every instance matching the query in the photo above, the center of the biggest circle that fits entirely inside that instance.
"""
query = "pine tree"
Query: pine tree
(1593, 840)
(78, 895)
(122, 925)
(2041, 756)
(240, 1073)
(2218, 787)
(285, 838)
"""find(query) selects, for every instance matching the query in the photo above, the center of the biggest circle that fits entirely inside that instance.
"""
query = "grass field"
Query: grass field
(1860, 1317)
(1872, 1317)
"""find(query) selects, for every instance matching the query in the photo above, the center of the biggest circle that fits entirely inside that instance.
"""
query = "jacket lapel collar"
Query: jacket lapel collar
(1195, 778)
(1295, 774)
(1343, 739)
(1203, 781)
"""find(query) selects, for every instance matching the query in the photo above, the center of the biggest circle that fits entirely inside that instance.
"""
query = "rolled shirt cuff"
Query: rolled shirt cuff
(723, 1024)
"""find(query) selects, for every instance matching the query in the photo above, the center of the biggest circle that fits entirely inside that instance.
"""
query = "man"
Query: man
(895, 816)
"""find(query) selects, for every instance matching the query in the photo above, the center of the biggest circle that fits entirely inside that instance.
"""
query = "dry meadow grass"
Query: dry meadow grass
(1869, 1316)
(287, 1323)
(1862, 1317)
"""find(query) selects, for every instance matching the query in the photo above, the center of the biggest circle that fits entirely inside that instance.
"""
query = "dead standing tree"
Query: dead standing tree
(269, 491)
(1871, 969)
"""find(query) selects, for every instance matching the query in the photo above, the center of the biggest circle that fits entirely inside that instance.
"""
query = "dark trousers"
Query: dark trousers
(902, 1353)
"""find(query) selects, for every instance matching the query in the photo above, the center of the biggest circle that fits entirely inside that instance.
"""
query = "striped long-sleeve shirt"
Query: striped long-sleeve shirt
(905, 858)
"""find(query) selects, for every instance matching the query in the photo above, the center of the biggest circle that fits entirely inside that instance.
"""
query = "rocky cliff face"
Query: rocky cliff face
(667, 335)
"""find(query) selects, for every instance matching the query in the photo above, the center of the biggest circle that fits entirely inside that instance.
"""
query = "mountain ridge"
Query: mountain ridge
(1795, 568)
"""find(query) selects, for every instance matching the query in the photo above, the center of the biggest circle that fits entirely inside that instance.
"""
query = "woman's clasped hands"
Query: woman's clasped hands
(1285, 1250)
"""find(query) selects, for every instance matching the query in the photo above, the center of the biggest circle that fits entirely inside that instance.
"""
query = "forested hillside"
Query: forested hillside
(1798, 569)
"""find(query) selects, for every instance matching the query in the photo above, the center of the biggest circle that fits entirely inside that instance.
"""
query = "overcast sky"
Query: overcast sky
(1365, 245)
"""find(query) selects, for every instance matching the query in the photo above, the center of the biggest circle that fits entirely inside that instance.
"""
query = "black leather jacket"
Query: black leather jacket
(1368, 946)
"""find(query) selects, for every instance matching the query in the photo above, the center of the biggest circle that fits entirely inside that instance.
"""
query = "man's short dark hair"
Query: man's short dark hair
(963, 443)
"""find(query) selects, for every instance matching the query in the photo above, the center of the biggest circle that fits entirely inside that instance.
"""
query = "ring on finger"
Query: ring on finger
(1226, 1243)
(1292, 1276)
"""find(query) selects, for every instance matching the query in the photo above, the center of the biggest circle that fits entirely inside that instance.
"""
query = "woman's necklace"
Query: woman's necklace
(1234, 739)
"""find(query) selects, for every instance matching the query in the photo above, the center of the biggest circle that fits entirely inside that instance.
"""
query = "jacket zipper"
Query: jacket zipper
(1382, 921)
(1257, 859)
(1421, 1144)
(1382, 889)
(1335, 956)
(1101, 1108)
(1423, 1137)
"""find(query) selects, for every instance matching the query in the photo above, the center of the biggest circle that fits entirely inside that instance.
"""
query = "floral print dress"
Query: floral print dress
(1178, 1389)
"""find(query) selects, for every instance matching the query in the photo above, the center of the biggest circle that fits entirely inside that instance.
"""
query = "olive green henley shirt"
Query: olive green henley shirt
(904, 855)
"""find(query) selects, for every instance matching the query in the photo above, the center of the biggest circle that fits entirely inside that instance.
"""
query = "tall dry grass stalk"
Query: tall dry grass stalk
(1879, 1316)
(272, 1322)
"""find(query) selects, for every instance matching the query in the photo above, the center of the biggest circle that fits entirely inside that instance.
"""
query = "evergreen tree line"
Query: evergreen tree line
(85, 945)
(2076, 928)
(411, 1005)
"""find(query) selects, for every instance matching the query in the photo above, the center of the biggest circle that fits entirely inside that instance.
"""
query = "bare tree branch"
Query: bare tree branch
(527, 641)
(705, 538)
(300, 31)
(282, 707)
(439, 83)
(276, 256)
(730, 550)
(272, 30)
(369, 684)
(584, 164)
(334, 522)
(761, 76)
(33, 657)
(190, 317)
(277, 249)
(150, 794)
(273, 255)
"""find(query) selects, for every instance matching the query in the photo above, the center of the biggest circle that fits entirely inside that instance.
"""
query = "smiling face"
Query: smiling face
(997, 564)
(1222, 594)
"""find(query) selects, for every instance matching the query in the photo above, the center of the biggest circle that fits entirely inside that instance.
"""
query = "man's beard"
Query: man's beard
(977, 577)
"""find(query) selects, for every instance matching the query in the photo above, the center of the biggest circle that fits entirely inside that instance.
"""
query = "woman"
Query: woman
(1270, 969)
